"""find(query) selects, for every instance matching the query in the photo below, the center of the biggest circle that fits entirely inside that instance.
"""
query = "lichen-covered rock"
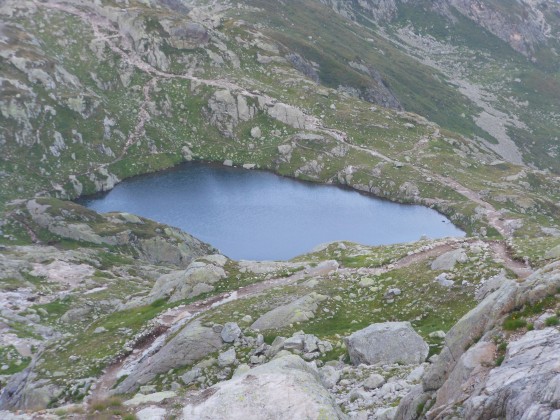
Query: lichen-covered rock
(226, 111)
(469, 369)
(191, 344)
(25, 391)
(467, 330)
(302, 309)
(525, 385)
(230, 332)
(448, 260)
(386, 343)
(183, 284)
(285, 388)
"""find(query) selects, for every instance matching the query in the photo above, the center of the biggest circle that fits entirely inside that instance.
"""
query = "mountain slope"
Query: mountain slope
(434, 103)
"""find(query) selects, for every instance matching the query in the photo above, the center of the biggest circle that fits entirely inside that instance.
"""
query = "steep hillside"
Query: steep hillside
(449, 104)
(513, 89)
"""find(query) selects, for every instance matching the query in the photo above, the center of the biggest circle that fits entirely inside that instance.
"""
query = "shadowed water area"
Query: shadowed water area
(257, 215)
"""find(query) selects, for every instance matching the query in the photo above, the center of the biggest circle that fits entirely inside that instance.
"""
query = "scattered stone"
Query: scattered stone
(230, 332)
(227, 358)
(416, 374)
(191, 376)
(444, 281)
(391, 293)
(329, 376)
(276, 346)
(147, 389)
(310, 343)
(256, 133)
(300, 310)
(553, 253)
(374, 381)
(367, 282)
(257, 360)
(100, 330)
(294, 343)
(437, 334)
(228, 162)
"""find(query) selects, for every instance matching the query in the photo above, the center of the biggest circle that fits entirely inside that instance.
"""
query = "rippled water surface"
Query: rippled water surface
(259, 216)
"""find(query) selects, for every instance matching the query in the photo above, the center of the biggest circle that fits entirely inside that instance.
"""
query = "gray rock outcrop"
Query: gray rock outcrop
(226, 110)
(468, 330)
(472, 364)
(526, 384)
(25, 391)
(300, 310)
(198, 278)
(388, 342)
(448, 260)
(285, 388)
(470, 327)
(191, 344)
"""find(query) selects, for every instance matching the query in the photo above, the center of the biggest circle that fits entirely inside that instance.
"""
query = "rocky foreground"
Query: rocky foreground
(203, 336)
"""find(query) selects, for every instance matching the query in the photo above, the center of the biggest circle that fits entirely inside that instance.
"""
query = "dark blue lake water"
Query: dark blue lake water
(260, 216)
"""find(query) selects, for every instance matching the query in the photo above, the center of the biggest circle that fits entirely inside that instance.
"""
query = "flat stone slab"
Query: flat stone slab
(150, 398)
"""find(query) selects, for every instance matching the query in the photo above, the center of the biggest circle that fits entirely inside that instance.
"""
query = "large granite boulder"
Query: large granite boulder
(386, 343)
(285, 388)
